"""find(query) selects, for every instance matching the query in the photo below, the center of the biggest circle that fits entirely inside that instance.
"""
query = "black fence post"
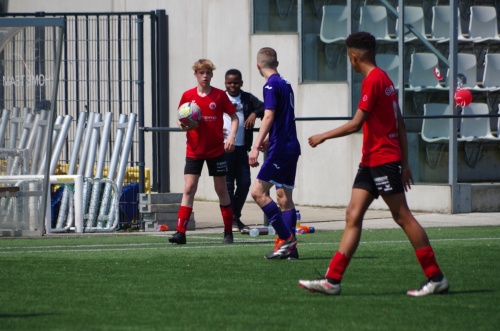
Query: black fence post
(140, 95)
(163, 161)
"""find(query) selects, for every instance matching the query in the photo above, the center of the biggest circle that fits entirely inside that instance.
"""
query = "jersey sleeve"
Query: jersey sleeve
(368, 96)
(183, 100)
(269, 96)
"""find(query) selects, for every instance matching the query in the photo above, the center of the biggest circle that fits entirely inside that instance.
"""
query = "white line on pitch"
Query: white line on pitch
(135, 246)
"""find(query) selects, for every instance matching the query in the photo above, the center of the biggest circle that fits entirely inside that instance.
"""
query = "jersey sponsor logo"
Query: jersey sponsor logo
(380, 179)
(209, 118)
(276, 166)
(389, 90)
(268, 87)
(212, 105)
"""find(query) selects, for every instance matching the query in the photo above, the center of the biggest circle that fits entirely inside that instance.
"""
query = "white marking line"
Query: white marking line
(135, 246)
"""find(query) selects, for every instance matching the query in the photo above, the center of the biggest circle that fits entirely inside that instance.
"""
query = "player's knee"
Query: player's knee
(353, 216)
(190, 190)
(257, 195)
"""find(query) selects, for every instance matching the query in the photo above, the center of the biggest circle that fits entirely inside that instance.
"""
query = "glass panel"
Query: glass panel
(29, 54)
(275, 16)
(323, 33)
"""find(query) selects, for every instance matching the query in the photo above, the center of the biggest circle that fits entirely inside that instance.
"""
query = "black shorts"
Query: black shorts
(217, 166)
(384, 179)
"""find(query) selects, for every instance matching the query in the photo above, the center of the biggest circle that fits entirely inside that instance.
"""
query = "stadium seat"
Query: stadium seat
(334, 24)
(467, 69)
(436, 129)
(390, 64)
(414, 16)
(476, 129)
(440, 25)
(435, 132)
(483, 24)
(421, 75)
(491, 74)
(373, 19)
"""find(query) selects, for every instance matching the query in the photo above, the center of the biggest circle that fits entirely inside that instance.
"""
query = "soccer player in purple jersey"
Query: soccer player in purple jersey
(277, 135)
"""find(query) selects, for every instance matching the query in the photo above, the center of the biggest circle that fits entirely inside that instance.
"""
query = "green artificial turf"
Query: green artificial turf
(139, 282)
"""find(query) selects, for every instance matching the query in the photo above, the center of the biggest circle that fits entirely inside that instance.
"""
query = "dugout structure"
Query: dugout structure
(30, 58)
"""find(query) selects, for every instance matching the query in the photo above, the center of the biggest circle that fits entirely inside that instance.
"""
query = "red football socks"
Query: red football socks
(227, 217)
(338, 266)
(428, 262)
(183, 218)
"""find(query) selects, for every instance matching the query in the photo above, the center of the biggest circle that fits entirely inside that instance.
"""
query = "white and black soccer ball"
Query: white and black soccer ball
(189, 114)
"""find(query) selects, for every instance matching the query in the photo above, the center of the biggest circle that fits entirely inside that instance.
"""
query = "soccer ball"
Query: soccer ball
(189, 114)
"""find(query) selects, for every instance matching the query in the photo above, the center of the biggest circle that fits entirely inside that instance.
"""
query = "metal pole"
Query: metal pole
(107, 196)
(127, 144)
(154, 94)
(452, 155)
(53, 105)
(61, 138)
(140, 95)
(163, 103)
(40, 134)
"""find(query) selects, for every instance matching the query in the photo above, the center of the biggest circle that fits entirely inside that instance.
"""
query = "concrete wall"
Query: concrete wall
(220, 30)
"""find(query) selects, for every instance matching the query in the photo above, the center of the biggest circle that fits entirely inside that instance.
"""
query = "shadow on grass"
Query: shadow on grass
(399, 293)
(25, 315)
(314, 258)
(469, 292)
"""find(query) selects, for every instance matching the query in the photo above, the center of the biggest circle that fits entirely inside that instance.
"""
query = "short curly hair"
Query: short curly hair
(361, 40)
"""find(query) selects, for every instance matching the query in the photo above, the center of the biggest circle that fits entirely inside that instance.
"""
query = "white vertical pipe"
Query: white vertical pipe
(89, 167)
(78, 199)
(65, 199)
(84, 153)
(38, 151)
(123, 163)
(96, 187)
(14, 127)
(104, 145)
(55, 132)
(86, 143)
(77, 143)
(27, 126)
(125, 151)
(106, 196)
(59, 143)
(3, 126)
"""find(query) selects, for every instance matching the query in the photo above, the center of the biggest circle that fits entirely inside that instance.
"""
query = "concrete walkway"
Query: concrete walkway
(208, 218)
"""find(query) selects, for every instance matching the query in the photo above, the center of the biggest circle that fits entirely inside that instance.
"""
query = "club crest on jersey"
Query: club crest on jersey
(212, 105)
(389, 90)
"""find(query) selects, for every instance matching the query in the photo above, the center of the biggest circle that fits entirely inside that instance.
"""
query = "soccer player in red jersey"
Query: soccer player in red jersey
(205, 143)
(384, 171)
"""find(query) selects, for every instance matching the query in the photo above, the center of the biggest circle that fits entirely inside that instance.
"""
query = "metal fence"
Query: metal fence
(102, 70)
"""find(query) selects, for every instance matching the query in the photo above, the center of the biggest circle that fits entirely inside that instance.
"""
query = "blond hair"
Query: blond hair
(203, 64)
